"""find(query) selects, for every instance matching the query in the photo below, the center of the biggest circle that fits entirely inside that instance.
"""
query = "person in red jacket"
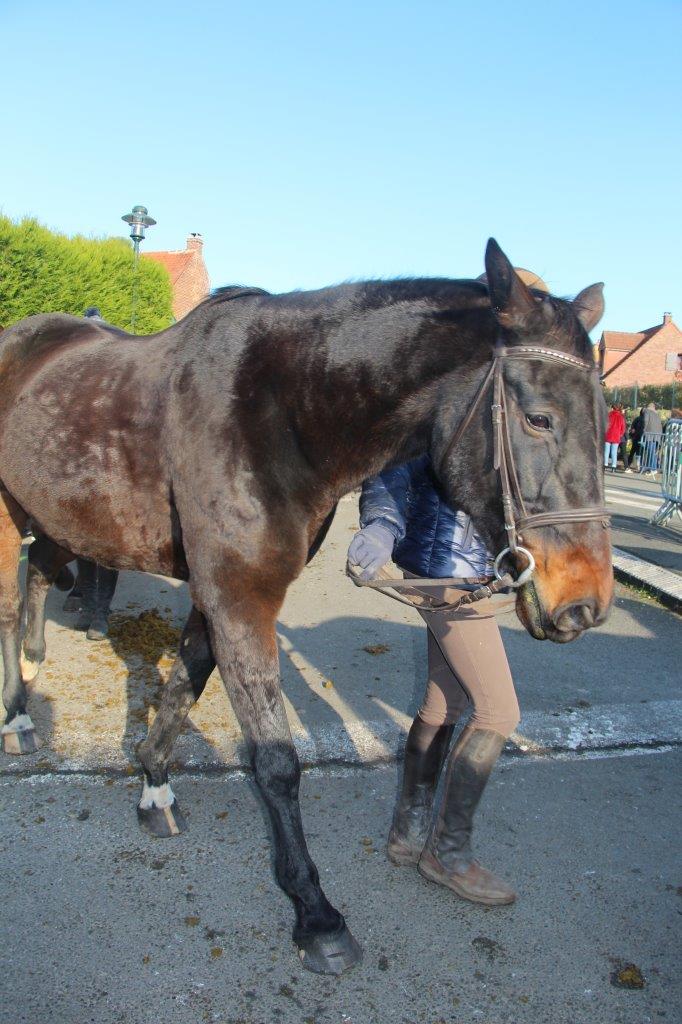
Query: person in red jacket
(614, 432)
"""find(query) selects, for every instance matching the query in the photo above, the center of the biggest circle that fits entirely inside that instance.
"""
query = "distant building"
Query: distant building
(652, 356)
(188, 274)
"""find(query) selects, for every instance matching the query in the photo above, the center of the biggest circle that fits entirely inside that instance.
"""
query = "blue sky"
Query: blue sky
(315, 142)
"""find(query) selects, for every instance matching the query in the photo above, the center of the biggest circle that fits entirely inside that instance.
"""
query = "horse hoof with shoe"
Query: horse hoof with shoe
(19, 736)
(329, 954)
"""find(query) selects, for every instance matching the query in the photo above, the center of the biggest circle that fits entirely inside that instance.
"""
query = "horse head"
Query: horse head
(536, 438)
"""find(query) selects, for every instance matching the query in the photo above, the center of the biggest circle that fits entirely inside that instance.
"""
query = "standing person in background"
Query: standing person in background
(635, 433)
(623, 446)
(651, 438)
(93, 591)
(675, 414)
(614, 432)
(652, 420)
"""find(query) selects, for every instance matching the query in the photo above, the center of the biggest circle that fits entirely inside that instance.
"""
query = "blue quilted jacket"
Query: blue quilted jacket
(431, 538)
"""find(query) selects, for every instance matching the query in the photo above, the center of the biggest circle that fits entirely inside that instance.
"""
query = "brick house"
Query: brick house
(188, 274)
(652, 356)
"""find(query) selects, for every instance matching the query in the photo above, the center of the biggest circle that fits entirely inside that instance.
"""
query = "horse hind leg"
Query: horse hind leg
(46, 565)
(158, 812)
(18, 732)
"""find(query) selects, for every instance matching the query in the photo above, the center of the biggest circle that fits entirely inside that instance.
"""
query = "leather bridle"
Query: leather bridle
(503, 457)
(503, 463)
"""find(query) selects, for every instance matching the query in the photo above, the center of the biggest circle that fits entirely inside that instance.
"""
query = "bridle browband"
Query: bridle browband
(503, 463)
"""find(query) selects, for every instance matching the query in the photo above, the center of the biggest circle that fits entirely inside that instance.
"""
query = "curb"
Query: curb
(662, 584)
(363, 744)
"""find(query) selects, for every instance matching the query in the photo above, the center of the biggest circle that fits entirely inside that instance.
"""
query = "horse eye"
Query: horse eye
(539, 422)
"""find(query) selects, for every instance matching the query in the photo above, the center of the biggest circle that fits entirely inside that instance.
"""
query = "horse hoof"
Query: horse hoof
(72, 603)
(329, 952)
(97, 632)
(162, 822)
(29, 668)
(20, 737)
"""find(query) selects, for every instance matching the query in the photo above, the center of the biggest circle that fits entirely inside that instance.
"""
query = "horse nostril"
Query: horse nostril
(587, 614)
(575, 616)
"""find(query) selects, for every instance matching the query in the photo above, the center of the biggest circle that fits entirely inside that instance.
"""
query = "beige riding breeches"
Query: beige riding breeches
(468, 665)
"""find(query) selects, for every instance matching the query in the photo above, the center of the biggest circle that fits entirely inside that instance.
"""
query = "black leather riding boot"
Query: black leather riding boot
(105, 585)
(447, 858)
(425, 752)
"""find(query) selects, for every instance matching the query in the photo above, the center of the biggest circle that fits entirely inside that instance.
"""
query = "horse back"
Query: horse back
(33, 340)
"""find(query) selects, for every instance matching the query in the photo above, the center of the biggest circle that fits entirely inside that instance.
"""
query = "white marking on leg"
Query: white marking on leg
(156, 796)
(22, 723)
(29, 668)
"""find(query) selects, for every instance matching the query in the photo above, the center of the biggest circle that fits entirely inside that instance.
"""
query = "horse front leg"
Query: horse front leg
(46, 565)
(246, 652)
(18, 732)
(158, 811)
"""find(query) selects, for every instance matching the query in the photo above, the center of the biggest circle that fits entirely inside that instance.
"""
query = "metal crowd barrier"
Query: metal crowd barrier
(669, 453)
(649, 453)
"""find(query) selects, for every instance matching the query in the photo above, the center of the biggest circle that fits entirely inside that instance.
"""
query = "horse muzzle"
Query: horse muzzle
(560, 605)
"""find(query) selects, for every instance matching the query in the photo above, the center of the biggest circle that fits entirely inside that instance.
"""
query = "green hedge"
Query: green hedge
(43, 272)
(666, 396)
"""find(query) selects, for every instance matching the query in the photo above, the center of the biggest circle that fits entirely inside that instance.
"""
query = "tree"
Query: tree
(44, 272)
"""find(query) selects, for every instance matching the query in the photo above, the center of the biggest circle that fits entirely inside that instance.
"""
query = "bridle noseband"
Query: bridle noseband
(503, 457)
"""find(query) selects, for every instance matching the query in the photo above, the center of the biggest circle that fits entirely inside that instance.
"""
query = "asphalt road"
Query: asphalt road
(633, 500)
(105, 926)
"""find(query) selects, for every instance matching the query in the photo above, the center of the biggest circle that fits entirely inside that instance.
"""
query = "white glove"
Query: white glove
(371, 548)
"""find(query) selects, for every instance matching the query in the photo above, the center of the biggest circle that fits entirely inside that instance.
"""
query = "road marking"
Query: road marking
(340, 770)
(615, 498)
(605, 725)
(353, 741)
(663, 580)
(610, 485)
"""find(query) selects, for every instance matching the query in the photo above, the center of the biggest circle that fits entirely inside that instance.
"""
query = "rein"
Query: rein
(504, 465)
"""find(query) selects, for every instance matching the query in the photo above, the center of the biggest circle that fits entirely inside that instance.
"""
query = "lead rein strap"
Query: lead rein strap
(388, 585)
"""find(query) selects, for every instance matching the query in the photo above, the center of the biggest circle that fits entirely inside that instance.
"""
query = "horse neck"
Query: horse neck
(376, 396)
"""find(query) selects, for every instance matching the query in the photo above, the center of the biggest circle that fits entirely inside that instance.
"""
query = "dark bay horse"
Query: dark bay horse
(215, 452)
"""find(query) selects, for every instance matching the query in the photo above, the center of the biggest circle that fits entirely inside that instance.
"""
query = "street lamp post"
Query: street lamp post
(139, 221)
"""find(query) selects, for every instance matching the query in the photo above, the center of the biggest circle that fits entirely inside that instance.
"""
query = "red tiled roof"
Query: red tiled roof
(174, 262)
(187, 272)
(621, 341)
(639, 339)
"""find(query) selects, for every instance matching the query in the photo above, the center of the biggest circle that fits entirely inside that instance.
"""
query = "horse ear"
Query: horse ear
(511, 301)
(589, 305)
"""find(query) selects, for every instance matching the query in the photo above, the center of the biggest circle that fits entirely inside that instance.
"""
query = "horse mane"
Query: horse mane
(231, 291)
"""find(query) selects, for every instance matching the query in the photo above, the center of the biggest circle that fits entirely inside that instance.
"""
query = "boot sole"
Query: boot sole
(450, 883)
(402, 857)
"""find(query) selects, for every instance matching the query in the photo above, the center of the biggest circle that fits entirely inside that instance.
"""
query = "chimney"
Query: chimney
(195, 241)
(667, 317)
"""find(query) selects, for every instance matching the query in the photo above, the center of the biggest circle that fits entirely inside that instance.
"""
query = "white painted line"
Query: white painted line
(605, 725)
(630, 491)
(646, 572)
(648, 503)
(353, 741)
